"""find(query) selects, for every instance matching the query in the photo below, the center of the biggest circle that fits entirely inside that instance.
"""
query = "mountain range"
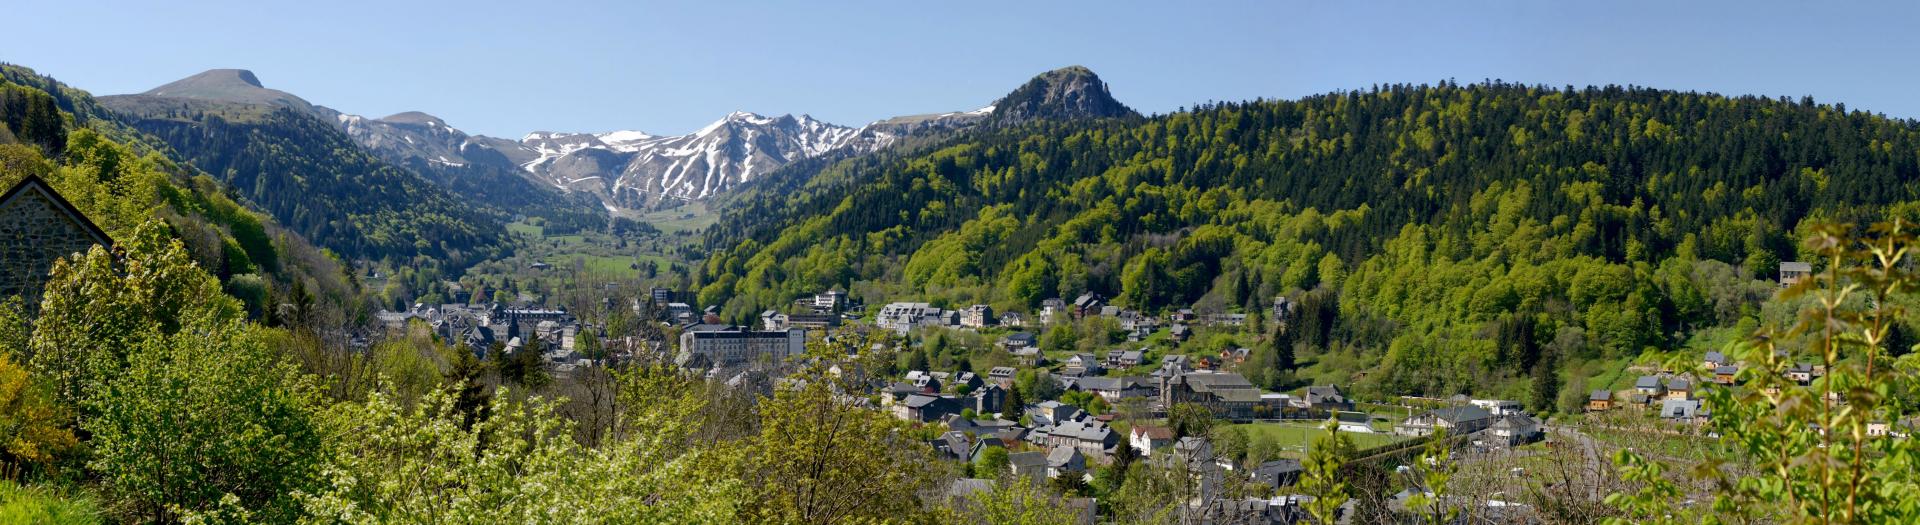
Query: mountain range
(630, 169)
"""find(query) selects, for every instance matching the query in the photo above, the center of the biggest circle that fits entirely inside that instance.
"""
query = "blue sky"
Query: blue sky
(506, 68)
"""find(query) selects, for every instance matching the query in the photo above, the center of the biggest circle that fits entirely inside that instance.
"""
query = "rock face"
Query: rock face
(1072, 92)
(38, 227)
(410, 135)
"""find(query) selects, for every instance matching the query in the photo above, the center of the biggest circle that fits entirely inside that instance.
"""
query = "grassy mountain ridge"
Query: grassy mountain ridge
(1604, 220)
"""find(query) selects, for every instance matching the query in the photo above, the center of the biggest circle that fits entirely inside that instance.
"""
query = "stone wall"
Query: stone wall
(34, 232)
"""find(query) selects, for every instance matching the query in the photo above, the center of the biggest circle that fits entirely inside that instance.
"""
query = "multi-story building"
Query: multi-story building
(1791, 272)
(904, 317)
(1228, 395)
(721, 345)
(977, 316)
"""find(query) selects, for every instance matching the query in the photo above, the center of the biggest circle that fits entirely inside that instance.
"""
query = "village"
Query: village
(1058, 415)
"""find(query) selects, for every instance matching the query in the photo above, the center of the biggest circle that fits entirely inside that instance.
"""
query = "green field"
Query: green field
(526, 229)
(1299, 437)
(616, 265)
(688, 218)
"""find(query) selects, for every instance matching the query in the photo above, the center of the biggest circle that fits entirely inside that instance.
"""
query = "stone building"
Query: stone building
(37, 227)
(720, 345)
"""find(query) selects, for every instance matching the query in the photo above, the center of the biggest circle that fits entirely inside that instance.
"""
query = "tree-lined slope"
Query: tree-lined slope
(1584, 224)
(315, 179)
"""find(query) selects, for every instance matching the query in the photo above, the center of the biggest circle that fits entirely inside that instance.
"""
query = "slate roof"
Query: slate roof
(1084, 431)
(1460, 414)
(921, 400)
(1111, 383)
(1026, 460)
(1061, 457)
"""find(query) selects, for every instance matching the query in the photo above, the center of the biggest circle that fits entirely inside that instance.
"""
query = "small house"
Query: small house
(1714, 360)
(1002, 375)
(1792, 272)
(1065, 461)
(1456, 420)
(1649, 386)
(1725, 374)
(1146, 439)
(1600, 401)
(1682, 410)
(1679, 389)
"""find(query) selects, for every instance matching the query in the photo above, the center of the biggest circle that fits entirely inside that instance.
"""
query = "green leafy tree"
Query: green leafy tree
(1013, 500)
(993, 461)
(1432, 471)
(427, 464)
(1322, 477)
(208, 419)
(1015, 405)
(99, 307)
(1189, 420)
(821, 457)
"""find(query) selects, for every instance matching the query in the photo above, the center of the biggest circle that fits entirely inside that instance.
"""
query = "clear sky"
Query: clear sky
(507, 68)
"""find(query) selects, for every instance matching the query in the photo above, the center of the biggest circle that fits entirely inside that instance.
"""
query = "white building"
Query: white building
(901, 317)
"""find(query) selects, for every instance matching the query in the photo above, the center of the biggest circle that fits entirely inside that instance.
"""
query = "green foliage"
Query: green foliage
(1016, 500)
(100, 308)
(1809, 454)
(1422, 216)
(992, 460)
(210, 418)
(315, 180)
(821, 457)
(1432, 471)
(426, 464)
(1322, 477)
(1189, 420)
(39, 505)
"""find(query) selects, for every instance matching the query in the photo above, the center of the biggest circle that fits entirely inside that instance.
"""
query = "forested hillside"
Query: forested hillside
(120, 178)
(1459, 236)
(317, 181)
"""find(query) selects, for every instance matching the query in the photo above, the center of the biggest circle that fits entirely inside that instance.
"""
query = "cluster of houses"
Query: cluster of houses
(1496, 422)
(904, 317)
(485, 325)
(1675, 397)
(816, 312)
(1050, 438)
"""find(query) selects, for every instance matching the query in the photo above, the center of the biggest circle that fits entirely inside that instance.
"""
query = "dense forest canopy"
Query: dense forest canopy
(1609, 220)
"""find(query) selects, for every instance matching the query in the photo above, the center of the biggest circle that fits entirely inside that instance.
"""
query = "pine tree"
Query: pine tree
(1283, 358)
(1546, 382)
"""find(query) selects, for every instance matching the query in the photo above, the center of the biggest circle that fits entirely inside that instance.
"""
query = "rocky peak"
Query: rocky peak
(1066, 93)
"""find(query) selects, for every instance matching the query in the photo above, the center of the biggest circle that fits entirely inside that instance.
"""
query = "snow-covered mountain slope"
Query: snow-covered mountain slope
(633, 169)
